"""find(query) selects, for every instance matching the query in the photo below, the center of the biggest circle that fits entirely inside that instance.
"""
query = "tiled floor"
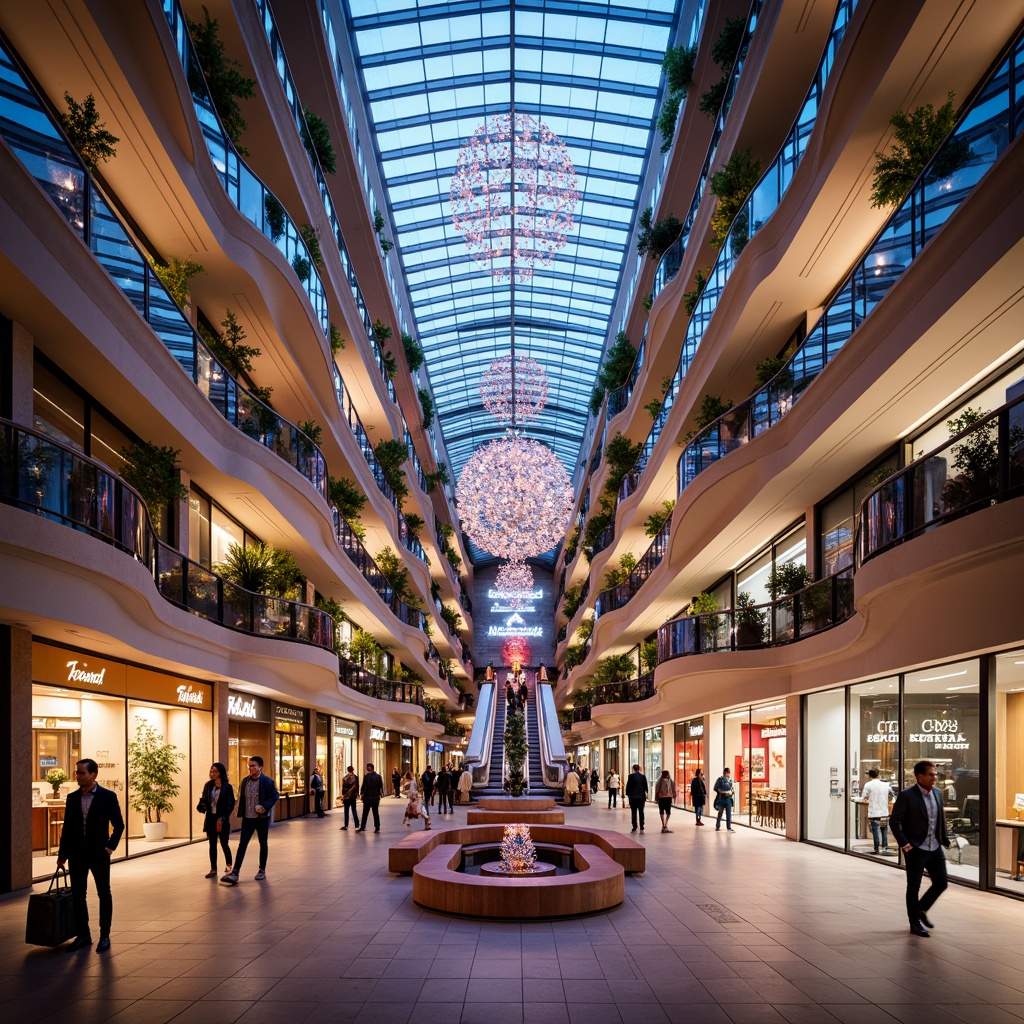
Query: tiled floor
(721, 928)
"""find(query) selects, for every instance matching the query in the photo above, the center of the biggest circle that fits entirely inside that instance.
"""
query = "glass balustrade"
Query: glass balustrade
(248, 194)
(355, 677)
(44, 477)
(31, 131)
(619, 596)
(990, 122)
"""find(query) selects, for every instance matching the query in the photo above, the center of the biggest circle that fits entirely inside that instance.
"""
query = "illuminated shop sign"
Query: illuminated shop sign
(342, 728)
(941, 733)
(83, 675)
(694, 730)
(887, 732)
(526, 595)
(376, 733)
(773, 732)
(433, 747)
(241, 707)
(284, 713)
(186, 695)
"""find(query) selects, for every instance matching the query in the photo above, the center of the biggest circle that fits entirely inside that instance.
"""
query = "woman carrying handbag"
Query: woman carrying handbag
(217, 803)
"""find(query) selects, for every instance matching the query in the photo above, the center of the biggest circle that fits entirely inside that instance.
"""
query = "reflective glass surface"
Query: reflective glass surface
(433, 72)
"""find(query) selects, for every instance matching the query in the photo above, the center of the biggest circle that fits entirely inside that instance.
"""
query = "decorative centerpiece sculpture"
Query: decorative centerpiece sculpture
(518, 854)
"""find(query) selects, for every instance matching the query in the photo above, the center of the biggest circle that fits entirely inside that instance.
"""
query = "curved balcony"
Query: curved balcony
(763, 201)
(809, 611)
(249, 195)
(34, 136)
(641, 688)
(986, 126)
(291, 95)
(620, 596)
(47, 478)
(982, 466)
(355, 677)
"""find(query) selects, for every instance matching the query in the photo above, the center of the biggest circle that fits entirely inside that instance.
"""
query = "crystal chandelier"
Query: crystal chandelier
(513, 221)
(515, 498)
(514, 582)
(530, 383)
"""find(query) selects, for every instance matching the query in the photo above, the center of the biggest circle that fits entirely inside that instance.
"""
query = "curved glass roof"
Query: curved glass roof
(433, 72)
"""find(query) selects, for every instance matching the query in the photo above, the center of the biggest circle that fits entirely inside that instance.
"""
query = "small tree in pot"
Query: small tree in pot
(152, 771)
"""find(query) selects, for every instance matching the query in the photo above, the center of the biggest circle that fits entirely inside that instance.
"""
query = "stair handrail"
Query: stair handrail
(553, 760)
(478, 753)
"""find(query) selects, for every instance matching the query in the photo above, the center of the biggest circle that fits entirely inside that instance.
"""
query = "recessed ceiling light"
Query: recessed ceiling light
(948, 675)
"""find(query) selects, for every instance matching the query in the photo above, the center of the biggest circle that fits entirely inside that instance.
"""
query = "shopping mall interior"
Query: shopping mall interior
(361, 357)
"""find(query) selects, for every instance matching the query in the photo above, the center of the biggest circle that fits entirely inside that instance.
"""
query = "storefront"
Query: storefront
(321, 755)
(586, 755)
(248, 733)
(754, 741)
(435, 755)
(652, 760)
(289, 763)
(379, 756)
(689, 756)
(611, 756)
(118, 714)
(344, 751)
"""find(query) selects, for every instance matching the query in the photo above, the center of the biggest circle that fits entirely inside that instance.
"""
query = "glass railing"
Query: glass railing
(765, 197)
(409, 540)
(248, 194)
(641, 688)
(32, 133)
(363, 561)
(355, 677)
(51, 480)
(621, 595)
(348, 410)
(981, 466)
(291, 95)
(815, 608)
(987, 125)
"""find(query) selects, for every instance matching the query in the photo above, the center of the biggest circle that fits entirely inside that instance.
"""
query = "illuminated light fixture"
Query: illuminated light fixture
(528, 383)
(514, 498)
(948, 675)
(516, 649)
(513, 221)
(514, 582)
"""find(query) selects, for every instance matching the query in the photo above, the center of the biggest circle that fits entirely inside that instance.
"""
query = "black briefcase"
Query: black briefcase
(51, 915)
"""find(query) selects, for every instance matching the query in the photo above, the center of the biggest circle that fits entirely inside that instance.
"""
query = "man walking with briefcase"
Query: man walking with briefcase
(93, 827)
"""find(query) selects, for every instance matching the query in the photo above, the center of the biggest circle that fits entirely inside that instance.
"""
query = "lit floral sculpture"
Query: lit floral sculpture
(531, 383)
(545, 188)
(516, 649)
(518, 854)
(514, 498)
(514, 583)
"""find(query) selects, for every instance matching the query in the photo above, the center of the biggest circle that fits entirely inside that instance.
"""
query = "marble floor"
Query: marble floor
(743, 927)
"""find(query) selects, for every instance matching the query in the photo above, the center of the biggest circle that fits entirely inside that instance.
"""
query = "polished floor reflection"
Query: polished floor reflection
(742, 927)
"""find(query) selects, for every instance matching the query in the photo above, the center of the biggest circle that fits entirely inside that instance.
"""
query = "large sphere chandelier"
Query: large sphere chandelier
(531, 389)
(514, 498)
(545, 189)
(514, 583)
(516, 649)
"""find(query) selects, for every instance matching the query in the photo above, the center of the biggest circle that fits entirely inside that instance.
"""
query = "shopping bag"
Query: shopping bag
(51, 915)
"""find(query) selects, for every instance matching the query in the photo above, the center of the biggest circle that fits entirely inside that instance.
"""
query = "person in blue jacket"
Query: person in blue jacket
(256, 798)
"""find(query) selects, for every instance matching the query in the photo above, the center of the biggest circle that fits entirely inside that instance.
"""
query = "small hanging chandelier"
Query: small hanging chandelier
(522, 391)
(514, 583)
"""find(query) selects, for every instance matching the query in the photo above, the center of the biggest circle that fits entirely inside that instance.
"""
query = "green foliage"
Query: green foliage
(386, 245)
(768, 369)
(152, 772)
(703, 604)
(390, 364)
(364, 649)
(337, 341)
(413, 352)
(732, 183)
(585, 630)
(175, 275)
(723, 53)
(649, 655)
(622, 453)
(596, 400)
(224, 78)
(654, 407)
(678, 64)
(917, 134)
(787, 579)
(311, 236)
(153, 471)
(620, 574)
(656, 520)
(667, 119)
(348, 497)
(574, 655)
(616, 668)
(440, 476)
(975, 459)
(452, 619)
(655, 237)
(617, 363)
(391, 454)
(381, 331)
(312, 430)
(515, 752)
(393, 570)
(453, 559)
(571, 543)
(261, 568)
(427, 406)
(275, 216)
(316, 137)
(691, 298)
(751, 622)
(711, 407)
(56, 777)
(571, 601)
(302, 267)
(265, 418)
(447, 530)
(229, 348)
(647, 301)
(595, 525)
(337, 613)
(87, 134)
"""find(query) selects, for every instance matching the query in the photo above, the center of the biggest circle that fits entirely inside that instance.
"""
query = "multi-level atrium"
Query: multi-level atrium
(729, 290)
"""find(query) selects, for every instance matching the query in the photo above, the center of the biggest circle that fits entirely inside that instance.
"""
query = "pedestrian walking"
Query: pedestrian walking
(698, 795)
(256, 798)
(349, 796)
(372, 792)
(216, 804)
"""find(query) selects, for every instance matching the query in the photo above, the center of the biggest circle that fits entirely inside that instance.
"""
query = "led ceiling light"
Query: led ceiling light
(509, 236)
(514, 498)
(514, 582)
(521, 392)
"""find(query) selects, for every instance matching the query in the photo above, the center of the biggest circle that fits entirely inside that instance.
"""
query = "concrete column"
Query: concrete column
(22, 375)
(182, 520)
(16, 723)
(220, 723)
(794, 741)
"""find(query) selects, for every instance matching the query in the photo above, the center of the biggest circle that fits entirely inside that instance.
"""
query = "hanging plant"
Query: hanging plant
(667, 119)
(655, 237)
(386, 245)
(414, 522)
(337, 341)
(391, 454)
(647, 301)
(153, 471)
(348, 497)
(413, 352)
(433, 479)
(711, 407)
(732, 183)
(311, 237)
(87, 134)
(678, 64)
(390, 364)
(381, 331)
(571, 601)
(175, 275)
(426, 406)
(316, 137)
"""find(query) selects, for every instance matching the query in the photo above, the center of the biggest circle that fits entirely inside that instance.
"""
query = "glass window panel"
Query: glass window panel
(224, 531)
(57, 409)
(1009, 760)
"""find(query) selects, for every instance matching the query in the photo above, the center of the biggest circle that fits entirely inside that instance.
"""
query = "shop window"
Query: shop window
(689, 756)
(199, 529)
(634, 754)
(874, 747)
(611, 757)
(941, 724)
(1009, 760)
(824, 767)
(652, 762)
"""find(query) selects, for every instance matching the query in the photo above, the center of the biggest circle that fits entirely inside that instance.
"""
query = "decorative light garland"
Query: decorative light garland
(514, 498)
(518, 854)
(544, 186)
(530, 380)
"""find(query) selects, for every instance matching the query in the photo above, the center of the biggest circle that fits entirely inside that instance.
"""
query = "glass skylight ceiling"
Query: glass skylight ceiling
(433, 72)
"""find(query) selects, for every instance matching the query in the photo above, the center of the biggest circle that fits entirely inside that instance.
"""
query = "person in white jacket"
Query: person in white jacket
(465, 785)
(877, 793)
(572, 786)
(415, 808)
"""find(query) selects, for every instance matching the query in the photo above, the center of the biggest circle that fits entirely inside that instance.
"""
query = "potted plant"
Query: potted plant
(56, 777)
(152, 771)
(153, 471)
(750, 622)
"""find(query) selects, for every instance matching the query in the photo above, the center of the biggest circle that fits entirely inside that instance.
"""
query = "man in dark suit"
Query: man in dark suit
(93, 827)
(372, 790)
(636, 792)
(918, 822)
